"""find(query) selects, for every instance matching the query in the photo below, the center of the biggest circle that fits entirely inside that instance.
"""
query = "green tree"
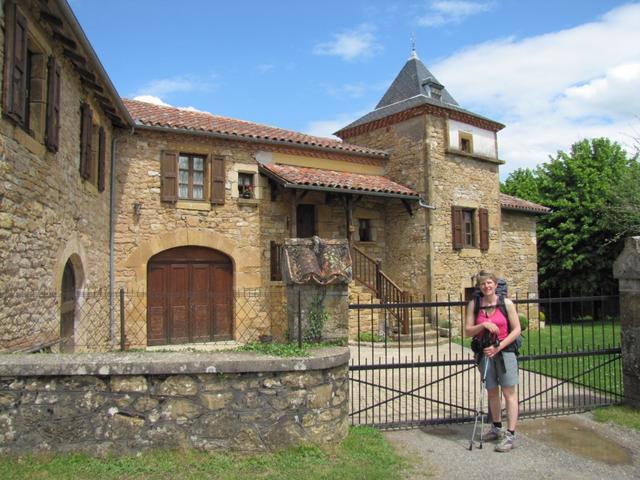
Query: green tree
(593, 194)
(522, 183)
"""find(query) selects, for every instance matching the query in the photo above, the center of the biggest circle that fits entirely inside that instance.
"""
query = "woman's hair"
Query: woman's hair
(484, 275)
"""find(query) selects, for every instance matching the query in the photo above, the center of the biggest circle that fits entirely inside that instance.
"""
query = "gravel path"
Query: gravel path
(567, 447)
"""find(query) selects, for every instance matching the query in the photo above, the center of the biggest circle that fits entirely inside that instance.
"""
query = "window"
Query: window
(365, 234)
(463, 227)
(31, 96)
(246, 185)
(187, 176)
(191, 177)
(467, 232)
(466, 142)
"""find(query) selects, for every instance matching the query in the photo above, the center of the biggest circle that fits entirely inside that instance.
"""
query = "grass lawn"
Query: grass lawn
(619, 414)
(574, 337)
(365, 454)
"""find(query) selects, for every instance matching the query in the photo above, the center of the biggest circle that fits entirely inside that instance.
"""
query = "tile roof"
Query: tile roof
(513, 203)
(152, 115)
(330, 179)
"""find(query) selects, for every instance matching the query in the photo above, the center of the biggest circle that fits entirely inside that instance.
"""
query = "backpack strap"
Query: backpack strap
(503, 308)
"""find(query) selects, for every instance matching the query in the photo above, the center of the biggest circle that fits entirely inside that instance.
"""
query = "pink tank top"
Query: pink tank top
(496, 317)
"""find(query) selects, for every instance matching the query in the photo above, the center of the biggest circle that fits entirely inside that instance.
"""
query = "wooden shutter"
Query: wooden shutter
(102, 159)
(53, 105)
(15, 73)
(456, 228)
(276, 257)
(484, 228)
(169, 181)
(86, 126)
(217, 180)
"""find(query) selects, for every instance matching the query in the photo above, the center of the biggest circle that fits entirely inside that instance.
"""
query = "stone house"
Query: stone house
(197, 205)
(59, 116)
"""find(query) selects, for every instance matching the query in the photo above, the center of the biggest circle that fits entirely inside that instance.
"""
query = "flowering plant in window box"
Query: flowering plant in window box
(246, 191)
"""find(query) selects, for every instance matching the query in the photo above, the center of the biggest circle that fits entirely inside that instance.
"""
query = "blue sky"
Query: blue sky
(552, 71)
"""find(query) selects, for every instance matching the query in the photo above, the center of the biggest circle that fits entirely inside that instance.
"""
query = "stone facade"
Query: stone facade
(49, 214)
(420, 256)
(215, 402)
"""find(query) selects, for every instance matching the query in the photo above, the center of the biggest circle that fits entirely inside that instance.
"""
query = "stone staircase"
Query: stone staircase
(373, 320)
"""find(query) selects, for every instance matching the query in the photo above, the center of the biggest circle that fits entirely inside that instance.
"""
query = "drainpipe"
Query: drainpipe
(112, 232)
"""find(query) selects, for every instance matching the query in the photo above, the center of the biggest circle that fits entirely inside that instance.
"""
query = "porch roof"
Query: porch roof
(305, 178)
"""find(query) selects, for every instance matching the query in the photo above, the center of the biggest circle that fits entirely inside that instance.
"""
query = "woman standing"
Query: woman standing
(502, 370)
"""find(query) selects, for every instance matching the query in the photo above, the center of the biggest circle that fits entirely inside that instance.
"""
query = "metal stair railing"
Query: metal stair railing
(367, 271)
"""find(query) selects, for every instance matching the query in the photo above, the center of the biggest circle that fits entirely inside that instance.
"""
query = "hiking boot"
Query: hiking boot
(507, 444)
(494, 433)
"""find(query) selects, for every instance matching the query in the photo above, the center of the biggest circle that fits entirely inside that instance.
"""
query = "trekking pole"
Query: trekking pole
(479, 412)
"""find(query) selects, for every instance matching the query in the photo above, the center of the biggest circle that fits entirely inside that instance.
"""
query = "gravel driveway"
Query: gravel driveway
(564, 447)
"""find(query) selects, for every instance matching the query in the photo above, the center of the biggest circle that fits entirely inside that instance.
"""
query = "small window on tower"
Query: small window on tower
(466, 142)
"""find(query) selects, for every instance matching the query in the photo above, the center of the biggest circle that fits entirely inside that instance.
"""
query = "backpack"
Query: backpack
(501, 291)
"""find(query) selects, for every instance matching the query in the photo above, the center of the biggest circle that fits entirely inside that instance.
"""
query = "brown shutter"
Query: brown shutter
(484, 228)
(102, 159)
(276, 251)
(15, 72)
(53, 105)
(86, 126)
(456, 227)
(217, 180)
(169, 181)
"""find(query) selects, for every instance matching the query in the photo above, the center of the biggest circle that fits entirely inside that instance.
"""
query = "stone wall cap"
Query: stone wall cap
(166, 363)
(627, 265)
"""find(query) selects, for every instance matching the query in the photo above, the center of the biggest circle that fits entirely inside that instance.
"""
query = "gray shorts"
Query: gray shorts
(496, 374)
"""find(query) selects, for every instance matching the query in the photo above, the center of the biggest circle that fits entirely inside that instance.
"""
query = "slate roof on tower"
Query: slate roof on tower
(415, 87)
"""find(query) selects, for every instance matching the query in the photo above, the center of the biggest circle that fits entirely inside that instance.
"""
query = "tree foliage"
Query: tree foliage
(593, 192)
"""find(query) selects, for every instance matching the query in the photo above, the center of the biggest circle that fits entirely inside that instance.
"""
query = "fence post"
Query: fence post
(626, 269)
(122, 336)
(378, 282)
(299, 319)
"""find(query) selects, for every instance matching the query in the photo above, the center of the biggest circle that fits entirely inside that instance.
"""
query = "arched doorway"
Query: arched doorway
(189, 296)
(68, 308)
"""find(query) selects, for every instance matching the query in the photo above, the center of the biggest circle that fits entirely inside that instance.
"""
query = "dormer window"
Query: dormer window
(433, 89)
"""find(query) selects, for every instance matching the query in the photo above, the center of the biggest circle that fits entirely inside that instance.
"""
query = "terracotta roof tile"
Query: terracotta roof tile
(339, 180)
(149, 114)
(513, 203)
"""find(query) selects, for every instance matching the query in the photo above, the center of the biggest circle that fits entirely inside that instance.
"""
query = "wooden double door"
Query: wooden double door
(189, 297)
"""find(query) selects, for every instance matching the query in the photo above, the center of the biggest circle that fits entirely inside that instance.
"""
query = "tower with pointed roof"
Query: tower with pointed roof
(450, 156)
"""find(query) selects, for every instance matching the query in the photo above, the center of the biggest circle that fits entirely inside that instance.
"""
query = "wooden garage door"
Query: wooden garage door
(189, 296)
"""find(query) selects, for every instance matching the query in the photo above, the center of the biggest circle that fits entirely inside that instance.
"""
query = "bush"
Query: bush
(541, 316)
(524, 322)
(370, 337)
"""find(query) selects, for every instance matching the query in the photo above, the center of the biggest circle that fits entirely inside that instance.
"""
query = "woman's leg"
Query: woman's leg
(494, 404)
(511, 403)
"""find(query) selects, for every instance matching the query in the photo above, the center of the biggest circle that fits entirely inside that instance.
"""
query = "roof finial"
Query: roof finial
(414, 55)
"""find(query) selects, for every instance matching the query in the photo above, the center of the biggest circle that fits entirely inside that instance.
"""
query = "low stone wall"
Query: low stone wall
(123, 403)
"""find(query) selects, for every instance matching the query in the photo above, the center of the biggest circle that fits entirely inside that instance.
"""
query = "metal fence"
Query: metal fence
(99, 320)
(568, 363)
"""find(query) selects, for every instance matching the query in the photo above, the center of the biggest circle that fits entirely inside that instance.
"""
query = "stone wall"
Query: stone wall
(126, 403)
(48, 213)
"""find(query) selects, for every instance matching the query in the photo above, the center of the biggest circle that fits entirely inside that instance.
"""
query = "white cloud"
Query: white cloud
(178, 84)
(552, 90)
(265, 68)
(349, 45)
(452, 11)
(151, 99)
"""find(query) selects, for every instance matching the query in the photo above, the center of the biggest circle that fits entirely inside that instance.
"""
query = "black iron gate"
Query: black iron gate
(428, 376)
